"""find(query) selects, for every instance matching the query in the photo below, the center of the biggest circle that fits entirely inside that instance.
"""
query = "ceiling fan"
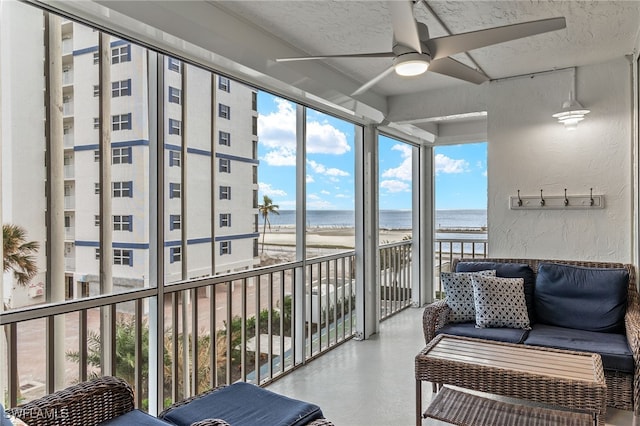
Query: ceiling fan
(414, 53)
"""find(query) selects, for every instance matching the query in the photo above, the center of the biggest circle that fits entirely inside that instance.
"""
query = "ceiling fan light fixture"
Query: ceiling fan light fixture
(411, 64)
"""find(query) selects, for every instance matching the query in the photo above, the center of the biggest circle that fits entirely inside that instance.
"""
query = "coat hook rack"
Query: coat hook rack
(556, 202)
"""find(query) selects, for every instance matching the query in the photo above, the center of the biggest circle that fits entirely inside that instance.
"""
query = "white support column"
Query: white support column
(301, 243)
(423, 226)
(367, 286)
(106, 217)
(55, 180)
(156, 239)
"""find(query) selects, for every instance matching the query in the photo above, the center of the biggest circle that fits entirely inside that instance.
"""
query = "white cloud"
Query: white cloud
(394, 186)
(342, 196)
(310, 179)
(323, 138)
(313, 197)
(445, 164)
(280, 156)
(325, 192)
(403, 171)
(266, 189)
(277, 132)
(278, 128)
(321, 169)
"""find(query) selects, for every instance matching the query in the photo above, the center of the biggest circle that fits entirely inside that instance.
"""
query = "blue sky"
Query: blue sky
(460, 169)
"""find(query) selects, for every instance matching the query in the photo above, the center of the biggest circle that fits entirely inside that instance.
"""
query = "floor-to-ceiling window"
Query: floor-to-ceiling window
(149, 190)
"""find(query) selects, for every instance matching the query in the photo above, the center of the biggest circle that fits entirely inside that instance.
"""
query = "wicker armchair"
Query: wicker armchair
(218, 422)
(623, 390)
(87, 403)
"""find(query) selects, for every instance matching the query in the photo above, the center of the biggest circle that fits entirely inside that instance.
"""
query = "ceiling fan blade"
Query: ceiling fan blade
(355, 55)
(450, 45)
(373, 81)
(405, 28)
(453, 68)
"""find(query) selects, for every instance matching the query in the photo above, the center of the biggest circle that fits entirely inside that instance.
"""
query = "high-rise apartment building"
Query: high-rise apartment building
(202, 125)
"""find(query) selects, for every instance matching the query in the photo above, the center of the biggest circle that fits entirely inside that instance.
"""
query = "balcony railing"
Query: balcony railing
(448, 249)
(395, 278)
(245, 326)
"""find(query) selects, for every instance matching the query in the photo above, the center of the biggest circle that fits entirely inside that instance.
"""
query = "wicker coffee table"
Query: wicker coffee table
(571, 380)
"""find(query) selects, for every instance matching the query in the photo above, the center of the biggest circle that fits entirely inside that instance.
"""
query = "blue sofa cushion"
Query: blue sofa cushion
(508, 270)
(612, 347)
(4, 417)
(135, 417)
(592, 299)
(244, 404)
(469, 329)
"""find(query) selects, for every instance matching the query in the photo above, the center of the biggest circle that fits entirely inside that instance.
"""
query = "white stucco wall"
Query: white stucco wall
(529, 151)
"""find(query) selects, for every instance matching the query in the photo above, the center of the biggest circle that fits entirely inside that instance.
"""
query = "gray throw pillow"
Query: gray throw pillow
(458, 289)
(500, 302)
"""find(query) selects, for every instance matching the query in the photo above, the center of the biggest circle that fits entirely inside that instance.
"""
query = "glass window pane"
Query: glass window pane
(276, 176)
(330, 162)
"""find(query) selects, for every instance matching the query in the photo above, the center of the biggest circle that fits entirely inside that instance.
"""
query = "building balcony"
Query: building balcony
(69, 202)
(68, 140)
(67, 108)
(69, 171)
(67, 77)
(67, 46)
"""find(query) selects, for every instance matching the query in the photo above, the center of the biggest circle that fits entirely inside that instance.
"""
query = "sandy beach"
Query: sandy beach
(325, 237)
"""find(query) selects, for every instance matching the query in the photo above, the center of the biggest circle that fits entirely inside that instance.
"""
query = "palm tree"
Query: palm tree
(266, 208)
(18, 253)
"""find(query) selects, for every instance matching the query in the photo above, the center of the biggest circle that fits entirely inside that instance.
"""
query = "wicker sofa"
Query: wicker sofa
(623, 388)
(107, 400)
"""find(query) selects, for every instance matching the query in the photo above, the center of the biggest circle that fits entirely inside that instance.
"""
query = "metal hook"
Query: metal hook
(519, 199)
(566, 200)
(591, 201)
(542, 202)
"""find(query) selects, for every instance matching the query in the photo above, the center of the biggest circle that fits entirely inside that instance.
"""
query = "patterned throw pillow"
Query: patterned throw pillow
(500, 302)
(459, 294)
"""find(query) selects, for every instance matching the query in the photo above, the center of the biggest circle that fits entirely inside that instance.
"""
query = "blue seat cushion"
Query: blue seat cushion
(612, 347)
(592, 299)
(135, 417)
(4, 417)
(499, 334)
(244, 404)
(508, 270)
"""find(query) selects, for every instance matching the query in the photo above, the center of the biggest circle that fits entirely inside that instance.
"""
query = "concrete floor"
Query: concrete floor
(371, 382)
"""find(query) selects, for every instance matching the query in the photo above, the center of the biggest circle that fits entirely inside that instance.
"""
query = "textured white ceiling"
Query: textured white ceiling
(596, 31)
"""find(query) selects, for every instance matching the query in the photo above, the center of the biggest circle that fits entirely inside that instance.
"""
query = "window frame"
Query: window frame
(120, 54)
(121, 122)
(122, 255)
(225, 192)
(175, 95)
(175, 127)
(122, 189)
(123, 223)
(175, 190)
(224, 138)
(224, 111)
(121, 88)
(121, 155)
(224, 165)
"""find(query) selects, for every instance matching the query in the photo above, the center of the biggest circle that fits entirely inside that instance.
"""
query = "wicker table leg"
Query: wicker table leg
(418, 402)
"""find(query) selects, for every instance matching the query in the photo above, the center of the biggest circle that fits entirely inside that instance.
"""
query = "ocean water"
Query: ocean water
(389, 219)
